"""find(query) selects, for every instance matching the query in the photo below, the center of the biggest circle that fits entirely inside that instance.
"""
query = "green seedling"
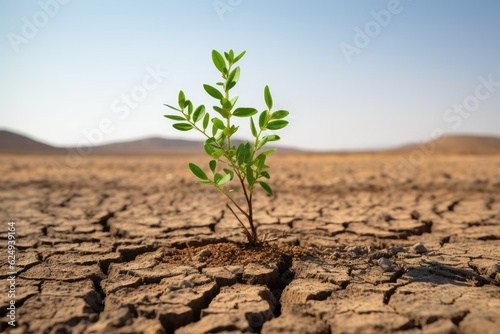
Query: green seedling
(246, 163)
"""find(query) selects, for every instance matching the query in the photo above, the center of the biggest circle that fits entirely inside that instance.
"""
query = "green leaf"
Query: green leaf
(182, 126)
(279, 114)
(252, 128)
(245, 112)
(205, 121)
(189, 106)
(230, 172)
(239, 57)
(231, 54)
(214, 130)
(213, 92)
(268, 98)
(263, 119)
(208, 149)
(218, 61)
(217, 177)
(265, 174)
(175, 117)
(250, 176)
(182, 100)
(228, 58)
(198, 171)
(233, 78)
(259, 162)
(168, 105)
(268, 152)
(204, 182)
(262, 142)
(218, 123)
(213, 165)
(199, 113)
(276, 125)
(266, 187)
(272, 138)
(224, 180)
(234, 100)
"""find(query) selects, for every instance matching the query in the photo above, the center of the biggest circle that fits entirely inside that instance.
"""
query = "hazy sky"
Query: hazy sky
(353, 74)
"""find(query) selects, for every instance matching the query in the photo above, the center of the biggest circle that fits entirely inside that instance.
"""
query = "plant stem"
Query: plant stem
(245, 230)
(234, 203)
(250, 208)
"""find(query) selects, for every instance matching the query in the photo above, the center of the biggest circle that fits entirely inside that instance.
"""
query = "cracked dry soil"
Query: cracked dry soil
(132, 245)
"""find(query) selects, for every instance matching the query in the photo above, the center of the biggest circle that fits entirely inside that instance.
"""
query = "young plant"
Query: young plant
(245, 163)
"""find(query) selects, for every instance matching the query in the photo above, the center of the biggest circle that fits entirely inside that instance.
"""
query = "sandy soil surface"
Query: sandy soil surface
(366, 245)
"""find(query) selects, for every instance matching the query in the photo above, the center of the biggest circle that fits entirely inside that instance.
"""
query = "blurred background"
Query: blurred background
(354, 75)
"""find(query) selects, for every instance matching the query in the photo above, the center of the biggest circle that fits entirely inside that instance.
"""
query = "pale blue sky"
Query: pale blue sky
(70, 74)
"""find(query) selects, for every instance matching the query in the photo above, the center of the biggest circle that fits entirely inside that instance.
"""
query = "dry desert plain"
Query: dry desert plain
(366, 244)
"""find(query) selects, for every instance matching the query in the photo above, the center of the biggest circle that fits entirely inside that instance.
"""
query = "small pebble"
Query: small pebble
(393, 250)
(420, 248)
(205, 253)
(385, 264)
(185, 284)
(356, 250)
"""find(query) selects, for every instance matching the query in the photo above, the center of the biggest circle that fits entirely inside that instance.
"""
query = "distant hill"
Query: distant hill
(11, 142)
(460, 144)
(149, 146)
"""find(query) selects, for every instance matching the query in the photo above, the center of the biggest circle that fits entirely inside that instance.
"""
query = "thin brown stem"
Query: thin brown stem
(245, 230)
(234, 203)
(250, 208)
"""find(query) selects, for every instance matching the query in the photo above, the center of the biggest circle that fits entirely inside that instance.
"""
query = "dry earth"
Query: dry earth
(132, 245)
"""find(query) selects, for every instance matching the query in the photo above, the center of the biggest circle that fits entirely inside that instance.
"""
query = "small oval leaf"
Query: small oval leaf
(213, 92)
(268, 98)
(182, 100)
(198, 171)
(175, 117)
(213, 165)
(252, 128)
(266, 187)
(218, 123)
(182, 126)
(199, 113)
(205, 121)
(276, 125)
(219, 61)
(272, 138)
(263, 119)
(239, 57)
(279, 114)
(245, 112)
(224, 180)
(233, 78)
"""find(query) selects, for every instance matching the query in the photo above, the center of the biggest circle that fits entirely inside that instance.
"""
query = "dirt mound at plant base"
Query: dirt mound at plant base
(225, 254)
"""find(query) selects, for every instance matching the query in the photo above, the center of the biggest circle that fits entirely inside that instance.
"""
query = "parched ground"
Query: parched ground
(365, 244)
